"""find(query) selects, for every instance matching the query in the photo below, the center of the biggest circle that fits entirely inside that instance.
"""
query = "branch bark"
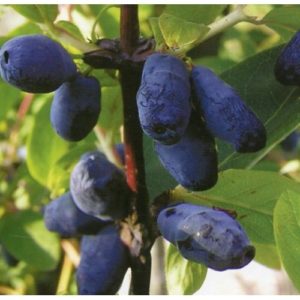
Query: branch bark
(133, 140)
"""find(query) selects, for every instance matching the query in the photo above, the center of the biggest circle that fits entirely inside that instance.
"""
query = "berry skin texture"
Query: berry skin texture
(62, 216)
(163, 98)
(76, 107)
(226, 115)
(35, 63)
(99, 188)
(103, 263)
(287, 66)
(193, 161)
(207, 236)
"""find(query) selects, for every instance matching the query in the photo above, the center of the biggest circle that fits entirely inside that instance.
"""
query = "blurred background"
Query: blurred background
(34, 261)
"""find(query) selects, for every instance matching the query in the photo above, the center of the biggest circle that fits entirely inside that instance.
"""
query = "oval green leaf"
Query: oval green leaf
(26, 237)
(183, 277)
(44, 146)
(284, 20)
(201, 14)
(41, 13)
(287, 229)
(179, 33)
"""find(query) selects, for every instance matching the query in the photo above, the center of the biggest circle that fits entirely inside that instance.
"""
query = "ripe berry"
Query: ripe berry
(193, 160)
(76, 107)
(291, 142)
(226, 115)
(62, 216)
(99, 188)
(287, 66)
(207, 236)
(163, 98)
(35, 63)
(103, 263)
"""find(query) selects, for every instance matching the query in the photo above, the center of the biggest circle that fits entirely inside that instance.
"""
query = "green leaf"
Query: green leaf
(71, 29)
(37, 13)
(159, 39)
(267, 254)
(108, 22)
(183, 277)
(201, 14)
(251, 194)
(267, 165)
(26, 237)
(111, 117)
(287, 228)
(44, 146)
(217, 64)
(27, 28)
(179, 33)
(284, 20)
(276, 105)
(107, 78)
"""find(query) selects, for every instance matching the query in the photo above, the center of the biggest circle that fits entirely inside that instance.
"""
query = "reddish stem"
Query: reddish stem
(24, 106)
(133, 138)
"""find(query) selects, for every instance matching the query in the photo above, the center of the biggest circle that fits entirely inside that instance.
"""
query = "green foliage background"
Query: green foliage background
(35, 163)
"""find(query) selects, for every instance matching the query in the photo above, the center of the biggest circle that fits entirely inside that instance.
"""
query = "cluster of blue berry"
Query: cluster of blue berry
(183, 111)
(38, 64)
(183, 108)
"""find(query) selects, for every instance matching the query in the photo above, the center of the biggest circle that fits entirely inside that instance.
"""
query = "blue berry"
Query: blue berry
(62, 216)
(193, 161)
(99, 188)
(35, 63)
(207, 236)
(103, 263)
(163, 98)
(287, 66)
(291, 142)
(226, 115)
(76, 107)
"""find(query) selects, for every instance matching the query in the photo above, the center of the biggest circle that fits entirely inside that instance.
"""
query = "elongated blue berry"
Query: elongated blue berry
(192, 161)
(207, 236)
(163, 98)
(35, 63)
(99, 188)
(103, 263)
(64, 217)
(287, 66)
(76, 107)
(225, 113)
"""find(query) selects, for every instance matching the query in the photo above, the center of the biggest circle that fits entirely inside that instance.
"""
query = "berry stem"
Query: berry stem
(233, 18)
(93, 31)
(65, 276)
(228, 21)
(133, 140)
